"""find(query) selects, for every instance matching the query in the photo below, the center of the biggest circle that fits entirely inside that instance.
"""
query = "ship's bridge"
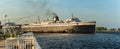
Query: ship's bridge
(73, 20)
(76, 19)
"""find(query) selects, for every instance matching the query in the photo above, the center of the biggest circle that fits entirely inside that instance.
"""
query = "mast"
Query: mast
(38, 19)
(72, 16)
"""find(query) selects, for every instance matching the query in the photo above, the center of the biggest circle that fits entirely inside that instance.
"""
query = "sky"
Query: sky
(105, 12)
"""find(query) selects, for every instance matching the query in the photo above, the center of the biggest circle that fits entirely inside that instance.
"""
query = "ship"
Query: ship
(73, 25)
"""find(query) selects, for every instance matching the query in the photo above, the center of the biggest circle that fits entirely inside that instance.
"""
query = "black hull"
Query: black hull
(84, 29)
(87, 29)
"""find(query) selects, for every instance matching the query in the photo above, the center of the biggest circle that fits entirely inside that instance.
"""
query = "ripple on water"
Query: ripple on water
(79, 41)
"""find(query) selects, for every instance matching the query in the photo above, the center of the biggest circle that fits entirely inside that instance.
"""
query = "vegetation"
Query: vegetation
(104, 29)
(100, 29)
(2, 37)
(7, 35)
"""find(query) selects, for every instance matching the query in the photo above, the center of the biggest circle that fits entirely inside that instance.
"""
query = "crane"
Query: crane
(11, 30)
(17, 19)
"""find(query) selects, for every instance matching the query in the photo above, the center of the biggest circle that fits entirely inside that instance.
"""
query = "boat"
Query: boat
(73, 25)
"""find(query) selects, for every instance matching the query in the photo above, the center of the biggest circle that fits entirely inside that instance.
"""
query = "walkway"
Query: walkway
(2, 44)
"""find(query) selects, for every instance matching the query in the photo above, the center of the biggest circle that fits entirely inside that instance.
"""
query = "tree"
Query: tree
(101, 28)
(118, 29)
(112, 29)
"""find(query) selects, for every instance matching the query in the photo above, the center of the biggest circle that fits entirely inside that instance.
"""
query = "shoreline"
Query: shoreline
(107, 31)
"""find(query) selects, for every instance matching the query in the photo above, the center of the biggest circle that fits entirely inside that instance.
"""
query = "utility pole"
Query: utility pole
(8, 20)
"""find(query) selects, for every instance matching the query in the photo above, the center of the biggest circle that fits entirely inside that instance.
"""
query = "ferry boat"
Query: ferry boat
(73, 25)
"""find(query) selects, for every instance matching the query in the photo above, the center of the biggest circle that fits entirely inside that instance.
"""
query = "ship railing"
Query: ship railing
(63, 24)
(24, 41)
(86, 23)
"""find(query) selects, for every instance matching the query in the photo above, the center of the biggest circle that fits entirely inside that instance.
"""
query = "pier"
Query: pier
(24, 41)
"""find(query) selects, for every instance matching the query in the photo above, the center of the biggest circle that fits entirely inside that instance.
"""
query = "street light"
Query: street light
(5, 19)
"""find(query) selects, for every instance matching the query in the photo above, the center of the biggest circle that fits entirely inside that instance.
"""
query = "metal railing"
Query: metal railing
(24, 41)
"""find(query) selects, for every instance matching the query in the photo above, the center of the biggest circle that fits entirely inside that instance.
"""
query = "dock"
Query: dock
(24, 41)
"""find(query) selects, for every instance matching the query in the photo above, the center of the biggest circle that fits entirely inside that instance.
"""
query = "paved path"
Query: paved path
(2, 44)
(79, 41)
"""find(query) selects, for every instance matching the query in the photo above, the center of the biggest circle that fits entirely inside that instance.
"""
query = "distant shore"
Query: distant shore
(107, 31)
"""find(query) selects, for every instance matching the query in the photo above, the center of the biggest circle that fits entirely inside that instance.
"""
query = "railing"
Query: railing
(24, 41)
(60, 24)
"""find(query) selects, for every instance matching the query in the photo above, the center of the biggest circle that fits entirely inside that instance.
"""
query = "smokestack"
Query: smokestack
(55, 17)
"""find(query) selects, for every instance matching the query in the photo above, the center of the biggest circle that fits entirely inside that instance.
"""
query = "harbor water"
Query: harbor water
(78, 41)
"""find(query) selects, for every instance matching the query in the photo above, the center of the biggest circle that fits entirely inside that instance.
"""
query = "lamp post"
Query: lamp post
(5, 19)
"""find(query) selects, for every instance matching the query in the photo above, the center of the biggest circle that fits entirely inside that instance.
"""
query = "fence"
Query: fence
(24, 41)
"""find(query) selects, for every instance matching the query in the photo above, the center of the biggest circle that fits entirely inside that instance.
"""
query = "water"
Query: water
(79, 41)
